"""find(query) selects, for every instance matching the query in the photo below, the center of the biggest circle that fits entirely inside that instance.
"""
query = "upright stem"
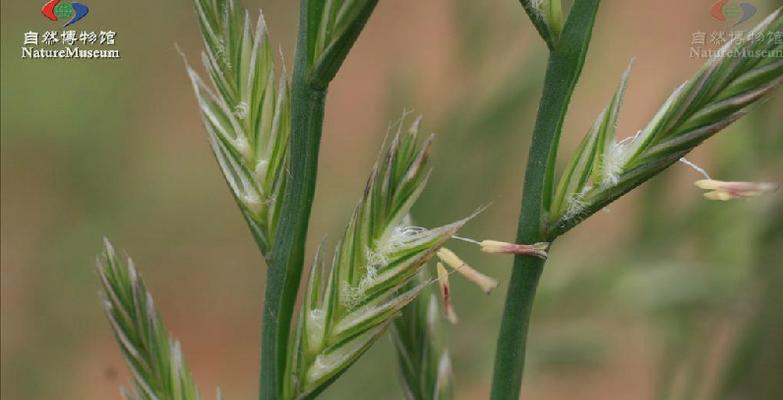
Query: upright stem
(563, 71)
(310, 82)
(287, 258)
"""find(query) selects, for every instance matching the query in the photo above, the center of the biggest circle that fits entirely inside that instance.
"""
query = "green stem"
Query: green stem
(287, 258)
(310, 82)
(564, 69)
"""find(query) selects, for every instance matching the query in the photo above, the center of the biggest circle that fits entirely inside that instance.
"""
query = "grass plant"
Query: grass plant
(264, 129)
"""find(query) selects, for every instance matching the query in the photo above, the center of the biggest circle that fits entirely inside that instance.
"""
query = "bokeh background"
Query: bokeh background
(665, 296)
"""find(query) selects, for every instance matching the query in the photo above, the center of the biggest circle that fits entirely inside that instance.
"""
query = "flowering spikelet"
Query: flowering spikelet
(247, 114)
(155, 359)
(595, 162)
(347, 308)
(744, 71)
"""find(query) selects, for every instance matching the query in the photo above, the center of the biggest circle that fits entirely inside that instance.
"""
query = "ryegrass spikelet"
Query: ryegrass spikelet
(595, 161)
(247, 115)
(368, 283)
(744, 71)
(422, 357)
(334, 27)
(154, 358)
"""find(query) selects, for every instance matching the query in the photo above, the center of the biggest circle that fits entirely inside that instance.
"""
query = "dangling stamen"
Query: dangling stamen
(537, 250)
(486, 283)
(445, 293)
(724, 191)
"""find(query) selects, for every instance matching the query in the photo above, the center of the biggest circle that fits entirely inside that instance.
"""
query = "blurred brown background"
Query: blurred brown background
(666, 295)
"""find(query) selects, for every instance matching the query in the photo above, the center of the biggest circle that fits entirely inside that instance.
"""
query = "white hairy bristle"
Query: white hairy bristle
(241, 110)
(399, 237)
(576, 203)
(378, 258)
(537, 6)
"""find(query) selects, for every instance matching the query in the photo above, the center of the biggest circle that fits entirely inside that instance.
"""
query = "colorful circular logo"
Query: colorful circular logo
(738, 10)
(63, 10)
(56, 9)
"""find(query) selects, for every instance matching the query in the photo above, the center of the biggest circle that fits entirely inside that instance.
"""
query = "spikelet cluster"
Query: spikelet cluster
(154, 358)
(423, 360)
(745, 70)
(246, 111)
(332, 29)
(348, 305)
